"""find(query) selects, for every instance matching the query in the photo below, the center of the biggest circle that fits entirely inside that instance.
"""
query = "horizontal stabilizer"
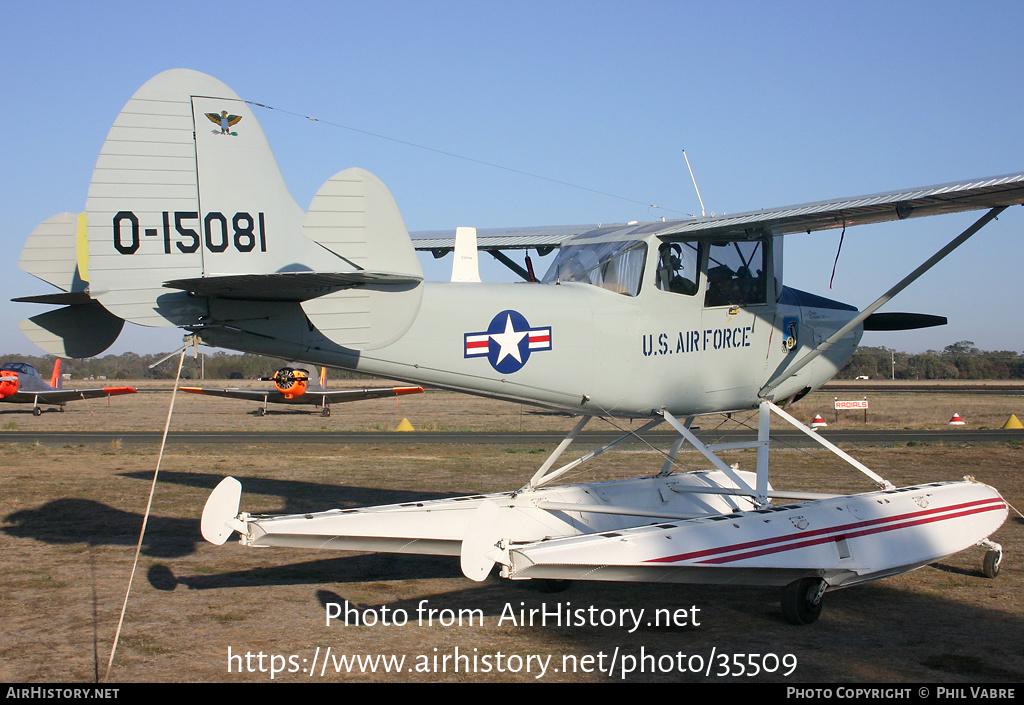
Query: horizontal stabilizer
(285, 286)
(64, 298)
(74, 331)
(902, 321)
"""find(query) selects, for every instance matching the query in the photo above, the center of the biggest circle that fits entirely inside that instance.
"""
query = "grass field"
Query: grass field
(72, 519)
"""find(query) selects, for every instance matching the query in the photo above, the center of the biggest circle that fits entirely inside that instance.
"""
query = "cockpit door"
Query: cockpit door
(738, 317)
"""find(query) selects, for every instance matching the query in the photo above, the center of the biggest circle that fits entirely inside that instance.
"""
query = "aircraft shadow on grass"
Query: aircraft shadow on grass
(299, 496)
(71, 521)
(74, 520)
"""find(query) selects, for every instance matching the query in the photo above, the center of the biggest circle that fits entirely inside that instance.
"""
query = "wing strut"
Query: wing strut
(505, 260)
(767, 390)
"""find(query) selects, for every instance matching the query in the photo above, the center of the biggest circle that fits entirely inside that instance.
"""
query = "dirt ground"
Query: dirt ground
(202, 613)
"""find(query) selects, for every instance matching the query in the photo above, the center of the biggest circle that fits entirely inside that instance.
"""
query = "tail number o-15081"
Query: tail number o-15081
(241, 231)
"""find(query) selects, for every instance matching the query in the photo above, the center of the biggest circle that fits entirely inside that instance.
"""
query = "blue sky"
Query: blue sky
(775, 103)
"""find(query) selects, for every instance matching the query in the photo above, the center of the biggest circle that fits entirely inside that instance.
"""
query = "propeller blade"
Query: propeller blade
(902, 321)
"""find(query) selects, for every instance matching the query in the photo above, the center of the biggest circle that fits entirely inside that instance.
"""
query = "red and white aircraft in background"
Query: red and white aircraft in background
(20, 383)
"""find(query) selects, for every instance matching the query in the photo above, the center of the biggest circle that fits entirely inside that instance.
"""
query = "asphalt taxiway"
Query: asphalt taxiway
(784, 438)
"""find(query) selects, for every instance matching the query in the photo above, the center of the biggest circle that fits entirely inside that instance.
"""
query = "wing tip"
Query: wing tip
(114, 391)
(399, 391)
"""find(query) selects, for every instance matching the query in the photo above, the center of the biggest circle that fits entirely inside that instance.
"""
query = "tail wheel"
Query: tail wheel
(801, 600)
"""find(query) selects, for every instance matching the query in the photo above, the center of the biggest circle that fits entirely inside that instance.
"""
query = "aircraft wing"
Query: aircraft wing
(60, 396)
(956, 197)
(334, 396)
(440, 242)
(250, 394)
(342, 395)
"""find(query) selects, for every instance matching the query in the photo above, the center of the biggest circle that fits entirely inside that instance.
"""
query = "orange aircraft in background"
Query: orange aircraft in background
(20, 383)
(298, 384)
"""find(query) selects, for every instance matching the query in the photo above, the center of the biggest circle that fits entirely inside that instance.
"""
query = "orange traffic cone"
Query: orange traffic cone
(956, 420)
(818, 422)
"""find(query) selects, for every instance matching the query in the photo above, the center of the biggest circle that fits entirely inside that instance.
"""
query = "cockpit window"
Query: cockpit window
(678, 267)
(736, 273)
(616, 266)
(21, 367)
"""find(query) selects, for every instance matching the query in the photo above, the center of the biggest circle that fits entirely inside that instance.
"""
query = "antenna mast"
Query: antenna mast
(702, 211)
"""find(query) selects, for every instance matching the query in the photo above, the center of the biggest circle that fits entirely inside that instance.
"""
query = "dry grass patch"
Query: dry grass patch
(69, 534)
(72, 517)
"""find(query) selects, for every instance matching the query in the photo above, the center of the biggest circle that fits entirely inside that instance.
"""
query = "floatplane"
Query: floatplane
(189, 223)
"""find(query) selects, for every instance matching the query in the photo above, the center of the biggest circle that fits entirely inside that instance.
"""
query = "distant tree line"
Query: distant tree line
(217, 365)
(960, 360)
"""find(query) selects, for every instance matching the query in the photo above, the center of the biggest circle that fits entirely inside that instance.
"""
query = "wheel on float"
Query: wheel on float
(992, 563)
(552, 585)
(802, 600)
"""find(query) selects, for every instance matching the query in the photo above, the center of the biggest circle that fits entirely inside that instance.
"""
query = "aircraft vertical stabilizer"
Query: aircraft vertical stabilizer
(57, 252)
(186, 186)
(51, 252)
(356, 217)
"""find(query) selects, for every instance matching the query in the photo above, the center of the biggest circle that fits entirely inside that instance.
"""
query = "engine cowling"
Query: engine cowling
(8, 384)
(291, 382)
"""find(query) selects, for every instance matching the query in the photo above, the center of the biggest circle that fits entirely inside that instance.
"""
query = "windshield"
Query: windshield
(616, 266)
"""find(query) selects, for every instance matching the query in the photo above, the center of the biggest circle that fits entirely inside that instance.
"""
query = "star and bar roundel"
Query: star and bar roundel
(508, 342)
